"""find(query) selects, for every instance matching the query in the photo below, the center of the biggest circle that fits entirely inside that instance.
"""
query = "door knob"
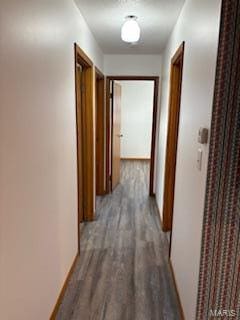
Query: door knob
(120, 135)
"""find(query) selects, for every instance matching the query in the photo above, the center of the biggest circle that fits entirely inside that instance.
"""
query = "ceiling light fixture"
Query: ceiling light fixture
(130, 30)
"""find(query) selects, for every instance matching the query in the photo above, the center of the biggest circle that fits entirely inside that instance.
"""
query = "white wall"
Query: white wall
(134, 65)
(198, 26)
(136, 118)
(38, 199)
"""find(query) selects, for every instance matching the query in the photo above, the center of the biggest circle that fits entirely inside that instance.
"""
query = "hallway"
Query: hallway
(91, 88)
(123, 272)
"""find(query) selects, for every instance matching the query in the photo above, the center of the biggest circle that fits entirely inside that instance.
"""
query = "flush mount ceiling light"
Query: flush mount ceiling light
(130, 30)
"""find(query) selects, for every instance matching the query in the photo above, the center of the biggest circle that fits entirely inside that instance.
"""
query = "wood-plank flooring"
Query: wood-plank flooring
(123, 271)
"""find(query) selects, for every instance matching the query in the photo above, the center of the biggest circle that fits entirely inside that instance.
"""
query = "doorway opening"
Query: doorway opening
(172, 138)
(85, 136)
(128, 140)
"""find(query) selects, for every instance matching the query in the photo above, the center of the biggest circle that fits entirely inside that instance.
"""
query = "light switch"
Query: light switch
(199, 159)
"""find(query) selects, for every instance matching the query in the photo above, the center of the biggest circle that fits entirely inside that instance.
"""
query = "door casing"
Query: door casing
(116, 134)
(86, 139)
(172, 136)
(100, 132)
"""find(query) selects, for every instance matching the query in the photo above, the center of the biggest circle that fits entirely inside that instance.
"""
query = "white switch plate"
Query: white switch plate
(199, 159)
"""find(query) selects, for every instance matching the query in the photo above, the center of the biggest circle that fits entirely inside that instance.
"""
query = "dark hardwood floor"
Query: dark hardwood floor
(123, 271)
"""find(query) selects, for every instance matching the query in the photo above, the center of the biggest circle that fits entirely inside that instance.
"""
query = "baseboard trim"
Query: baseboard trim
(177, 291)
(60, 297)
(137, 159)
(172, 271)
(159, 213)
(161, 221)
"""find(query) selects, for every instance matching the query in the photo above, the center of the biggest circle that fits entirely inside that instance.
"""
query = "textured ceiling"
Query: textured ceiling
(156, 19)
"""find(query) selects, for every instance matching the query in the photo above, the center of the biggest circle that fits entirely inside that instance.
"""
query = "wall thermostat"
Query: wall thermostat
(203, 135)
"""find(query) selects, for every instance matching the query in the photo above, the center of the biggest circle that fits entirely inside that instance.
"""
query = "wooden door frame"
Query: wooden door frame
(116, 135)
(100, 126)
(172, 136)
(154, 126)
(87, 116)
